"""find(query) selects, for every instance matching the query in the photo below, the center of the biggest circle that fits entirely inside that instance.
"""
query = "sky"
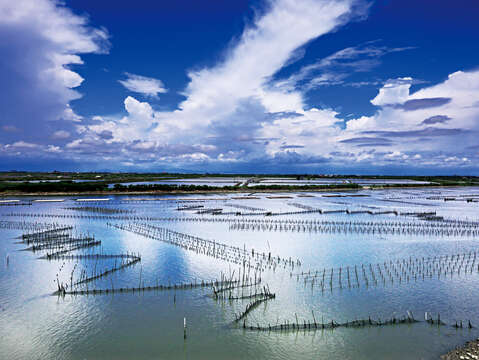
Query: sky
(264, 86)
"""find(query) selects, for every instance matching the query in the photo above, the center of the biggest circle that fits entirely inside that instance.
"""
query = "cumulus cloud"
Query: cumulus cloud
(393, 92)
(140, 120)
(439, 136)
(252, 133)
(233, 100)
(264, 47)
(143, 85)
(36, 66)
(237, 115)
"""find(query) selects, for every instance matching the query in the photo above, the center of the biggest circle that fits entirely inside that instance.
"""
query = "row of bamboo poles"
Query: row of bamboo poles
(25, 225)
(152, 287)
(228, 253)
(364, 229)
(218, 212)
(58, 242)
(392, 272)
(100, 210)
(408, 227)
(313, 325)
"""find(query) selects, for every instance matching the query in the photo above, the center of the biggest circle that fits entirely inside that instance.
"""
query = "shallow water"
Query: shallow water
(222, 182)
(147, 325)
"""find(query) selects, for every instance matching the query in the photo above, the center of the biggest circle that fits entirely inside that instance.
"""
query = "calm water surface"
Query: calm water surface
(34, 324)
(221, 182)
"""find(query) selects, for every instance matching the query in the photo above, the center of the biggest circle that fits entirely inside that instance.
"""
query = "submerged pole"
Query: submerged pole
(184, 328)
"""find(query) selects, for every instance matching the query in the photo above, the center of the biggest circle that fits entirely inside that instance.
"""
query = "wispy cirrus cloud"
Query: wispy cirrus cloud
(233, 100)
(237, 115)
(337, 67)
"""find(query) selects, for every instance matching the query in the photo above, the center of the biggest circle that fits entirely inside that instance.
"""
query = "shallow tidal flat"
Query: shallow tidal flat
(388, 274)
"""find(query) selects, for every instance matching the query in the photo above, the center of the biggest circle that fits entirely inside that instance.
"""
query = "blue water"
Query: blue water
(149, 325)
(221, 182)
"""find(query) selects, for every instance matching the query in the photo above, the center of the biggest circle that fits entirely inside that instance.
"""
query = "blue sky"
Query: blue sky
(284, 86)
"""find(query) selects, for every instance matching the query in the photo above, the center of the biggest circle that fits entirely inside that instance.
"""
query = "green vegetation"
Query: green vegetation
(52, 187)
(69, 176)
(102, 186)
(438, 180)
(188, 188)
(67, 182)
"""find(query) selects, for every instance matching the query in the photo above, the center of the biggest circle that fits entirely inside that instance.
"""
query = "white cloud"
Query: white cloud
(227, 105)
(143, 85)
(393, 92)
(61, 134)
(264, 47)
(53, 149)
(35, 66)
(23, 144)
(57, 24)
(335, 68)
(139, 112)
(399, 123)
(69, 114)
(233, 112)
(315, 130)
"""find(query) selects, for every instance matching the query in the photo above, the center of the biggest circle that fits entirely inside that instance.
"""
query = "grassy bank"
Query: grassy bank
(71, 189)
(101, 187)
(23, 183)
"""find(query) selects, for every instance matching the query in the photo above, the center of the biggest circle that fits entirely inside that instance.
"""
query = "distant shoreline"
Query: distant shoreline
(229, 191)
(79, 184)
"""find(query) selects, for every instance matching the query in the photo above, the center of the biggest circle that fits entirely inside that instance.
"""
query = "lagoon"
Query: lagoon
(34, 323)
